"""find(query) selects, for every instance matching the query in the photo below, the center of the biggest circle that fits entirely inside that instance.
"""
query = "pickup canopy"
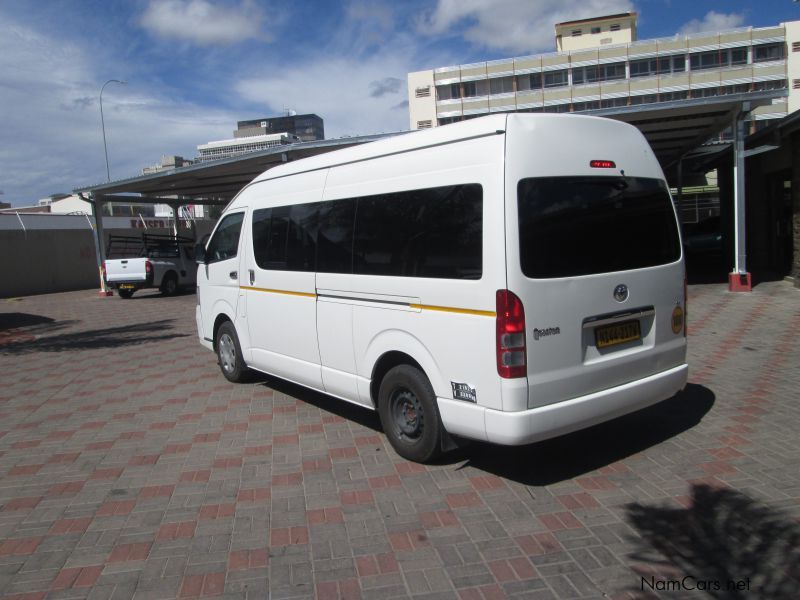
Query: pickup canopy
(148, 245)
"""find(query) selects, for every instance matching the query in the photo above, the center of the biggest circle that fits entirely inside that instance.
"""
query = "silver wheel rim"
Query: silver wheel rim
(227, 353)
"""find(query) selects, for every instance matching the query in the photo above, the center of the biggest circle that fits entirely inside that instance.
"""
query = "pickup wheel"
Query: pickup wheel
(229, 354)
(169, 286)
(409, 414)
(125, 293)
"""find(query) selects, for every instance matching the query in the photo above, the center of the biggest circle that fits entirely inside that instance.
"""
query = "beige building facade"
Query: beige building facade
(592, 73)
(591, 33)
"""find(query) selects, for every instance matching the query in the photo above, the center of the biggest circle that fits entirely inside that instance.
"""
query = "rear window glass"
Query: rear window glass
(572, 226)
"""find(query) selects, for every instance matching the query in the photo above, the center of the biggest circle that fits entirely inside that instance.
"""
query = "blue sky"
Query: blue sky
(195, 67)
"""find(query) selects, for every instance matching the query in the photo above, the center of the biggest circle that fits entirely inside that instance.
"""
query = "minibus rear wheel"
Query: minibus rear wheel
(229, 354)
(409, 414)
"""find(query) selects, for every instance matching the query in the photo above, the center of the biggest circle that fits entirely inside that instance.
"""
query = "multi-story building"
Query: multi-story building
(601, 65)
(307, 127)
(168, 162)
(242, 145)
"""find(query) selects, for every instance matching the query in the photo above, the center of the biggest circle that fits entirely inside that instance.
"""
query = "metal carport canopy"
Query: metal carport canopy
(211, 182)
(673, 129)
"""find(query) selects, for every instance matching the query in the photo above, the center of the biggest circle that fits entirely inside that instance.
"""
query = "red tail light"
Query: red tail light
(148, 266)
(510, 340)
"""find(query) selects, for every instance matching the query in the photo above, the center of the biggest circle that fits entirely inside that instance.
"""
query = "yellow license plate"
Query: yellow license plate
(127, 286)
(618, 333)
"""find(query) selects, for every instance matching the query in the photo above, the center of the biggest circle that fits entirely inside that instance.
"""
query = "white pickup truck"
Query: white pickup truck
(151, 261)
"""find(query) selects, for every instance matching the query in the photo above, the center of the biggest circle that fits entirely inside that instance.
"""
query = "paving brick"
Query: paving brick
(176, 479)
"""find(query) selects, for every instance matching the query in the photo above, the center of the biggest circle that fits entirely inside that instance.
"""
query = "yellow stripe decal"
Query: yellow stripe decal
(461, 311)
(285, 292)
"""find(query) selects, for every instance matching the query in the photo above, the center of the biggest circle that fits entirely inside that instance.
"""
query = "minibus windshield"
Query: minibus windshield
(572, 226)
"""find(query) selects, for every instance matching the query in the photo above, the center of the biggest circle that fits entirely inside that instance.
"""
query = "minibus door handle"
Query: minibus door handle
(233, 274)
(252, 276)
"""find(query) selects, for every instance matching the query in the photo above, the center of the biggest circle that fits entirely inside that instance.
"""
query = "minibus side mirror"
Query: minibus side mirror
(200, 254)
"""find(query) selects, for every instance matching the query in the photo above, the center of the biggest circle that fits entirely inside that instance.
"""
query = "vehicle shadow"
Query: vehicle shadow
(730, 544)
(575, 454)
(352, 412)
(155, 293)
(550, 461)
(110, 337)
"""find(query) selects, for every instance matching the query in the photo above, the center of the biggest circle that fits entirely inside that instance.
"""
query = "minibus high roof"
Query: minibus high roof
(448, 134)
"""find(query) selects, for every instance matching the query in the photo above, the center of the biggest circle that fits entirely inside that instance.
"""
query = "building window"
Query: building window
(658, 66)
(423, 92)
(615, 27)
(448, 92)
(613, 102)
(576, 33)
(556, 78)
(767, 52)
(595, 30)
(581, 106)
(738, 56)
(795, 46)
(501, 85)
(476, 88)
(529, 81)
(592, 74)
(707, 60)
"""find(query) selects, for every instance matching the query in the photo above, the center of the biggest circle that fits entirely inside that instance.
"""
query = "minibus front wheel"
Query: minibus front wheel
(409, 414)
(229, 354)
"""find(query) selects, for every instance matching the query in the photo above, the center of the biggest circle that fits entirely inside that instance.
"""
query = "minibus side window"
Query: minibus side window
(225, 242)
(284, 237)
(335, 236)
(434, 232)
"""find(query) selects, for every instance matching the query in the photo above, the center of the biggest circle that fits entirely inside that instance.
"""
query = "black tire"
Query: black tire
(169, 285)
(409, 414)
(125, 293)
(229, 354)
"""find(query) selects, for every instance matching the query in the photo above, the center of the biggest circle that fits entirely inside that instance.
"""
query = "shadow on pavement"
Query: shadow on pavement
(111, 337)
(578, 453)
(352, 412)
(724, 540)
(553, 460)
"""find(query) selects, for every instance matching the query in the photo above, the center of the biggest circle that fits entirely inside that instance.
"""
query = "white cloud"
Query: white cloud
(511, 25)
(341, 90)
(51, 140)
(202, 22)
(713, 21)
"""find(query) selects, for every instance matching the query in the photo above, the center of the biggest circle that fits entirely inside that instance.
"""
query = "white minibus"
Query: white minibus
(509, 278)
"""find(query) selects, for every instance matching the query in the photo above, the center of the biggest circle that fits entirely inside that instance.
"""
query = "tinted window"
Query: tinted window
(335, 237)
(572, 226)
(284, 237)
(423, 233)
(225, 242)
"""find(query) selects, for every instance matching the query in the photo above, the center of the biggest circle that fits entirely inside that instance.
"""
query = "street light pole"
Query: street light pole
(103, 123)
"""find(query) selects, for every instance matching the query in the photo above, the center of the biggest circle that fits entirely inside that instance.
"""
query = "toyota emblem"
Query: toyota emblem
(621, 292)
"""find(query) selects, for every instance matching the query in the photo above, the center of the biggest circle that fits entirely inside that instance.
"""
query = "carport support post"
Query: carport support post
(739, 280)
(97, 210)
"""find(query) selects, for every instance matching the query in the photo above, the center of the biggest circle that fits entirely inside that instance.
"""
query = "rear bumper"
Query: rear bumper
(138, 283)
(536, 424)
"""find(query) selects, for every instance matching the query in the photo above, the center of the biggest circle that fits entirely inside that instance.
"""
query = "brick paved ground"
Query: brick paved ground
(130, 468)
